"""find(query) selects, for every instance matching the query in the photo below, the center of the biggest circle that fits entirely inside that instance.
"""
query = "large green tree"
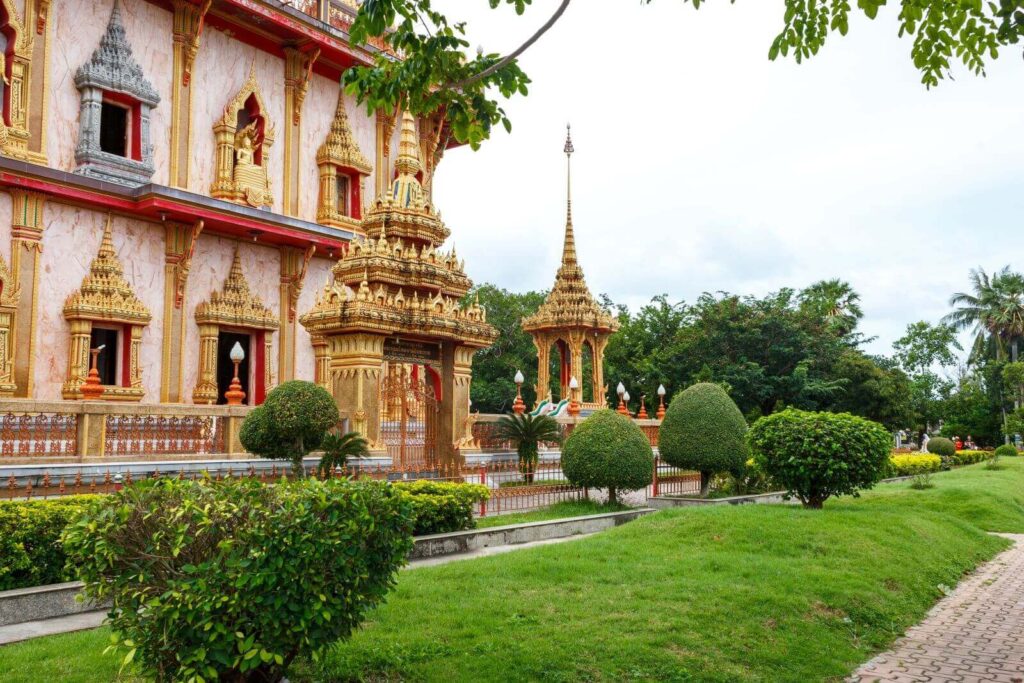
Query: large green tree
(994, 310)
(439, 73)
(494, 369)
(923, 352)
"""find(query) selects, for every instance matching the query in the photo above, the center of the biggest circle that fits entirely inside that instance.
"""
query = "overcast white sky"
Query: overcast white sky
(701, 166)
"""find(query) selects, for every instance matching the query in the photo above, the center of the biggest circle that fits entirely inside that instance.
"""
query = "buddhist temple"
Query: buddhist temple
(571, 323)
(181, 176)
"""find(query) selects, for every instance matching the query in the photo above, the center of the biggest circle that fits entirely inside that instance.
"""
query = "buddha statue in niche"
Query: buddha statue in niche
(250, 176)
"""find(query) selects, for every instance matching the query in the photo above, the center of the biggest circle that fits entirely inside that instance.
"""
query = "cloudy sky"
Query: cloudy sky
(701, 166)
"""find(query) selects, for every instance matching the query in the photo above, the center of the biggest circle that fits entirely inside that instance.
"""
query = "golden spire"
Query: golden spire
(569, 248)
(107, 243)
(408, 160)
(340, 146)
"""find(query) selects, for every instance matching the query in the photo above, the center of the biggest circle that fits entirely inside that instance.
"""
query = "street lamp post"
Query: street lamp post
(661, 401)
(621, 391)
(625, 404)
(234, 394)
(518, 407)
(574, 406)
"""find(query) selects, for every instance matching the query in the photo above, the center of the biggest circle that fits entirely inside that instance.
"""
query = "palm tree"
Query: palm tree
(338, 449)
(995, 309)
(527, 431)
(835, 302)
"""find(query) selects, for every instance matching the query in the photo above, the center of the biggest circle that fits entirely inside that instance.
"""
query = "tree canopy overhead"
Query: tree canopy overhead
(438, 73)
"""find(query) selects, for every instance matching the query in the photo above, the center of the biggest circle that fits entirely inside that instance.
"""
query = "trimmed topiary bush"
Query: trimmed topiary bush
(439, 507)
(232, 581)
(819, 455)
(608, 451)
(703, 430)
(293, 420)
(30, 550)
(909, 465)
(940, 445)
(1006, 451)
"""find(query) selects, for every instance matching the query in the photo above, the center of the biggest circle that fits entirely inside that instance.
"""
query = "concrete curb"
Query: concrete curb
(475, 539)
(42, 602)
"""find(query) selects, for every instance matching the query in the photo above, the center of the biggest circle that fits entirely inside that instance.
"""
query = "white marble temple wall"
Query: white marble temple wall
(317, 275)
(70, 243)
(77, 28)
(220, 71)
(261, 266)
(6, 212)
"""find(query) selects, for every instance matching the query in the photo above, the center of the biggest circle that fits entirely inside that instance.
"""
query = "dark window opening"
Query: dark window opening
(106, 362)
(226, 367)
(342, 192)
(114, 129)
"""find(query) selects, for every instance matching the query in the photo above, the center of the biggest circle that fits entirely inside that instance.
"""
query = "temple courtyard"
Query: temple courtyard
(718, 593)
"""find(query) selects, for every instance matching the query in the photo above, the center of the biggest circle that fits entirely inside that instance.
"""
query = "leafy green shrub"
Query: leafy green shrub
(819, 455)
(293, 420)
(439, 507)
(909, 465)
(232, 581)
(940, 445)
(608, 451)
(31, 553)
(527, 431)
(1006, 451)
(703, 430)
(971, 457)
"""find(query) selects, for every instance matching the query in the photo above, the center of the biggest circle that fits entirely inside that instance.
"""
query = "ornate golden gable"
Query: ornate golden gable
(340, 146)
(9, 295)
(236, 305)
(105, 295)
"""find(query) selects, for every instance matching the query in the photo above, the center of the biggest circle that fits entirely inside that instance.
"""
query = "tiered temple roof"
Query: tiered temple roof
(399, 281)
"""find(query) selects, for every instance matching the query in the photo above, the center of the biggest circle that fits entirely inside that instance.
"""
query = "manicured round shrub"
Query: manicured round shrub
(1006, 451)
(940, 445)
(819, 455)
(293, 420)
(703, 430)
(232, 581)
(608, 451)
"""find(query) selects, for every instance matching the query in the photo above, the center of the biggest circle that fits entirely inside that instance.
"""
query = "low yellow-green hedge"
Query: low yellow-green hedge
(909, 465)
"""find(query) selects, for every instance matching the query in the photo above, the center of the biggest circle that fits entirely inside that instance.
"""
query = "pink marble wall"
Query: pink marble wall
(261, 266)
(317, 275)
(220, 71)
(76, 30)
(5, 227)
(70, 242)
(317, 114)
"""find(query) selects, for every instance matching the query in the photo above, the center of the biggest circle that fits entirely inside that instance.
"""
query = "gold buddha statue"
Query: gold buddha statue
(250, 177)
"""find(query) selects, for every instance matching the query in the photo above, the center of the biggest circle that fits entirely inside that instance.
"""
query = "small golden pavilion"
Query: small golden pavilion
(571, 323)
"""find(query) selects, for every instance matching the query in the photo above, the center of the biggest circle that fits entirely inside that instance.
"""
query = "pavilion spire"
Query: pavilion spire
(569, 248)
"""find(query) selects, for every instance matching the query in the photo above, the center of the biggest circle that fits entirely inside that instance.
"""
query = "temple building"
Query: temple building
(178, 176)
(570, 328)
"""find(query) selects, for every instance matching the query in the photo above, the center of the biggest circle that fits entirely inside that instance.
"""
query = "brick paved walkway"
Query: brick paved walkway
(974, 635)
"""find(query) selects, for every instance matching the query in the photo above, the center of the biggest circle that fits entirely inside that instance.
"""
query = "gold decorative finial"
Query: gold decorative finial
(408, 160)
(107, 243)
(569, 248)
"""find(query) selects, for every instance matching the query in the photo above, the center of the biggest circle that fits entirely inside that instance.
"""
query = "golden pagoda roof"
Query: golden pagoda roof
(570, 304)
(236, 304)
(340, 146)
(105, 293)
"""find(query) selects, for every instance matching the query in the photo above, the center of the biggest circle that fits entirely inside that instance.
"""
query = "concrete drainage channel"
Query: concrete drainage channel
(43, 610)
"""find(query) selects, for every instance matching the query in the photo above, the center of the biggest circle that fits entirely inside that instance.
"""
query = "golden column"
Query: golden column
(188, 27)
(180, 245)
(294, 264)
(26, 249)
(382, 169)
(298, 69)
(355, 372)
(37, 90)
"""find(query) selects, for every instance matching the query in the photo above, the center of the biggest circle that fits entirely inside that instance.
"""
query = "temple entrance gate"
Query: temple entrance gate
(408, 421)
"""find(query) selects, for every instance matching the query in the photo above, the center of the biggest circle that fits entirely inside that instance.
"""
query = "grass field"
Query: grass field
(753, 593)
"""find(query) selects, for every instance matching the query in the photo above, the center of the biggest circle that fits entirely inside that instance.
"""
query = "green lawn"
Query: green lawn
(569, 508)
(723, 593)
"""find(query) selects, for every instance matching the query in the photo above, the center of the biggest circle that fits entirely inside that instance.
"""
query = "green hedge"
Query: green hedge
(1007, 451)
(31, 553)
(940, 445)
(970, 457)
(439, 507)
(909, 465)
